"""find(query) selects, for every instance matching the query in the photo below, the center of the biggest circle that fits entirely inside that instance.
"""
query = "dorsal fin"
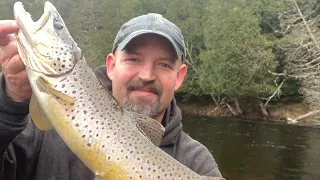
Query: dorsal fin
(149, 127)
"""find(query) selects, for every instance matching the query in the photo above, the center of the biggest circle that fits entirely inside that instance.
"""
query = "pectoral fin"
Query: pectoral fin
(46, 87)
(38, 116)
(150, 128)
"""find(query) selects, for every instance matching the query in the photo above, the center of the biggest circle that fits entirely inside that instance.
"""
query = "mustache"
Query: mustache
(138, 84)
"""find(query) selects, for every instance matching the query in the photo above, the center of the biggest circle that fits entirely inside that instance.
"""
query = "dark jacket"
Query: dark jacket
(29, 153)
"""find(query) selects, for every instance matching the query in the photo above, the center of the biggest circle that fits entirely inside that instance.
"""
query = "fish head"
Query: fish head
(46, 45)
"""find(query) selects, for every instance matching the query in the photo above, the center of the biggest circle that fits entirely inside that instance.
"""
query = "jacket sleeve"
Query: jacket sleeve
(19, 140)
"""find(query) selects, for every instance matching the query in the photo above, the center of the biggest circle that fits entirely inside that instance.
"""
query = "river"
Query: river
(259, 150)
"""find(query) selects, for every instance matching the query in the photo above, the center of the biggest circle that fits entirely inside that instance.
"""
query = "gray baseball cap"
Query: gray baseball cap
(150, 24)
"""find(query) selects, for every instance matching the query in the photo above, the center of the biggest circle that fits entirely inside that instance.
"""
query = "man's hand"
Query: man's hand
(17, 83)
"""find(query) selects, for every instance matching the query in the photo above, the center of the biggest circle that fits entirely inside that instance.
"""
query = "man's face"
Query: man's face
(145, 75)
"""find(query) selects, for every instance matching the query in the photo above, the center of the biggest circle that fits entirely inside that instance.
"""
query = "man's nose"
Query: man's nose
(147, 73)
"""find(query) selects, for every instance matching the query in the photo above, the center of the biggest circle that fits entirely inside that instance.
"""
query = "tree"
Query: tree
(236, 57)
(300, 25)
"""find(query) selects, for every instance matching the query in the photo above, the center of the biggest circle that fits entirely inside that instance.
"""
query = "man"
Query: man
(143, 71)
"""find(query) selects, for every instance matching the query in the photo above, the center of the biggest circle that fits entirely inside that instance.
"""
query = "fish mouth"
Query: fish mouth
(46, 45)
(26, 23)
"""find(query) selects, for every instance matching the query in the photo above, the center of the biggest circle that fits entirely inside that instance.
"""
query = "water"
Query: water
(251, 150)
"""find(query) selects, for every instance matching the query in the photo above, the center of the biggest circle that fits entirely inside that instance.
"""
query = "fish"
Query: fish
(113, 143)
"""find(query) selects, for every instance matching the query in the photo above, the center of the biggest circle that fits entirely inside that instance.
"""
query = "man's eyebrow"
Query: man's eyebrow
(168, 58)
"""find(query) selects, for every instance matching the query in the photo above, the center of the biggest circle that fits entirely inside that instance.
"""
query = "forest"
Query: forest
(263, 51)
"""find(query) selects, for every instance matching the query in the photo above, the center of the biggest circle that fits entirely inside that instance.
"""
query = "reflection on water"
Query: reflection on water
(259, 150)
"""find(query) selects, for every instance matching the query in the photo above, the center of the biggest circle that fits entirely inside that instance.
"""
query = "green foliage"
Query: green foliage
(236, 58)
(229, 42)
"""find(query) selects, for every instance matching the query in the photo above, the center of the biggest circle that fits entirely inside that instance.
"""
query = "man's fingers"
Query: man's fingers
(8, 51)
(5, 40)
(19, 80)
(15, 65)
(7, 27)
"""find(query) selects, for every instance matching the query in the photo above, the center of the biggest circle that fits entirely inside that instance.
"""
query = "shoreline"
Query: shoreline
(284, 113)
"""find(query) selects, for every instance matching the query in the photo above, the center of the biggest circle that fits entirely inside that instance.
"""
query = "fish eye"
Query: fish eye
(58, 25)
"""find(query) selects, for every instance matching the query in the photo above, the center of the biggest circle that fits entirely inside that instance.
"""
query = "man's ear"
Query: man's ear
(110, 64)
(181, 74)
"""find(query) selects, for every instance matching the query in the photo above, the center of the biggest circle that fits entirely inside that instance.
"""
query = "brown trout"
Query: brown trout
(115, 144)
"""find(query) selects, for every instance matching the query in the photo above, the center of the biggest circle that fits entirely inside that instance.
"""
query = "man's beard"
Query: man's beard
(143, 105)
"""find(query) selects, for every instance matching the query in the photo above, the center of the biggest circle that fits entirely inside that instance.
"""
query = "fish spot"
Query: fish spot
(88, 144)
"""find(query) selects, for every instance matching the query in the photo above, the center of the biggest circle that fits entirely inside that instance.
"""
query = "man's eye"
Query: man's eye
(164, 65)
(132, 60)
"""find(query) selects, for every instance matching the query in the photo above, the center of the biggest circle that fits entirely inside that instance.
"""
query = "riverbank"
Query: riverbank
(284, 112)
